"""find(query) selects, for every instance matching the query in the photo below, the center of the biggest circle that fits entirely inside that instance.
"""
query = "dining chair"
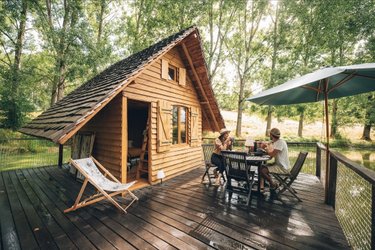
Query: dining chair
(241, 172)
(208, 149)
(286, 179)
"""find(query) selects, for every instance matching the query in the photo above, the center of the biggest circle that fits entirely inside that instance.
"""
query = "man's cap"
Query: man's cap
(275, 132)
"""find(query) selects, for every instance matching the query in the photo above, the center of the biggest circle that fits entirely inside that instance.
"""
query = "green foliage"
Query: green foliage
(340, 143)
(249, 46)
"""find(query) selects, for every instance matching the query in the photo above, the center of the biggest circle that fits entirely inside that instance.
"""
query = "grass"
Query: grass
(29, 152)
(29, 160)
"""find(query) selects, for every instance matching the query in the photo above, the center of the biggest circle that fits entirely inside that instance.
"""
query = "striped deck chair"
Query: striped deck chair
(107, 188)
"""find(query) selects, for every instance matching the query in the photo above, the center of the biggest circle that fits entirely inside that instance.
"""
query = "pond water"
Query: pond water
(364, 157)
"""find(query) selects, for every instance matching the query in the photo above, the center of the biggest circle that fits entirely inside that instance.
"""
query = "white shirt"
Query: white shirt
(281, 158)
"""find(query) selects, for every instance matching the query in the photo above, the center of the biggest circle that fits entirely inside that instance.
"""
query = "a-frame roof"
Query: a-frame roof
(66, 117)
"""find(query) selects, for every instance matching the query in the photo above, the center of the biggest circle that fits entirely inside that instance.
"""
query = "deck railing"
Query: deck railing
(350, 189)
(18, 153)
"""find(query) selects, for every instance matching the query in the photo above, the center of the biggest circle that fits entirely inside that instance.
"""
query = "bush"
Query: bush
(341, 143)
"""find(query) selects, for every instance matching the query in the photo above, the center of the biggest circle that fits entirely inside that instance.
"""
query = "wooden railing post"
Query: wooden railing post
(332, 173)
(373, 218)
(61, 150)
(318, 161)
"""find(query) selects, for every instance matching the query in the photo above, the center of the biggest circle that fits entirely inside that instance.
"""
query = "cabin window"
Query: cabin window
(172, 73)
(179, 115)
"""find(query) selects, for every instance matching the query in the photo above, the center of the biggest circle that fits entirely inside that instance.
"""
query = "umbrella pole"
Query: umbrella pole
(327, 150)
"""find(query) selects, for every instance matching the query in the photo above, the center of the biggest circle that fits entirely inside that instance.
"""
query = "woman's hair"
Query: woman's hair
(221, 137)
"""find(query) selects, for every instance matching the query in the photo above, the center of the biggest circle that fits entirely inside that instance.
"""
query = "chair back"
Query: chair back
(236, 164)
(207, 152)
(298, 164)
(88, 168)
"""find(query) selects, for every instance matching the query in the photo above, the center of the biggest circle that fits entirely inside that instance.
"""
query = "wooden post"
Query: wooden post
(373, 218)
(61, 151)
(124, 139)
(318, 161)
(327, 177)
(331, 193)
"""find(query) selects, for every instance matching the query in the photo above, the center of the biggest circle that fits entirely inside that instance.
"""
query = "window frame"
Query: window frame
(175, 69)
(179, 125)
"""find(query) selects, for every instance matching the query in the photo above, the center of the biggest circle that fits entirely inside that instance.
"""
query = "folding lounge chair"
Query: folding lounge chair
(207, 153)
(88, 167)
(287, 179)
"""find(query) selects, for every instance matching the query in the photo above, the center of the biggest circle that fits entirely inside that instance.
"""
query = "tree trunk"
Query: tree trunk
(300, 123)
(14, 114)
(100, 21)
(269, 120)
(240, 108)
(366, 132)
(58, 85)
(368, 118)
(334, 119)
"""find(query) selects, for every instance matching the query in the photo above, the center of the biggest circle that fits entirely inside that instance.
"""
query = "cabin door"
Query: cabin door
(138, 140)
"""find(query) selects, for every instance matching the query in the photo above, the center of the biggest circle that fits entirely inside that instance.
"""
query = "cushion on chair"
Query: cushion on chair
(88, 165)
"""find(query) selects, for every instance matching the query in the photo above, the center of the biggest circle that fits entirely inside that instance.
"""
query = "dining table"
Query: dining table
(258, 161)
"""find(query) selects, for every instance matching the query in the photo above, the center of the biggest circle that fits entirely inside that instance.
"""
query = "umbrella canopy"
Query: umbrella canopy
(323, 84)
(326, 83)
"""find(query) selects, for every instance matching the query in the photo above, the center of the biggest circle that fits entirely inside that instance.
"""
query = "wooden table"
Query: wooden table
(257, 161)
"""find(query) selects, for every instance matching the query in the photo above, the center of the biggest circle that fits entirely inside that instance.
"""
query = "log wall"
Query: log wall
(107, 127)
(150, 87)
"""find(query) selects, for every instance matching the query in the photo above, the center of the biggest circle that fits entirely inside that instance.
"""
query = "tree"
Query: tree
(220, 21)
(13, 29)
(245, 47)
(369, 117)
(59, 23)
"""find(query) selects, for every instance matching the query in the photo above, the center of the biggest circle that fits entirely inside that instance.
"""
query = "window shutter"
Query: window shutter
(194, 129)
(164, 126)
(182, 77)
(164, 69)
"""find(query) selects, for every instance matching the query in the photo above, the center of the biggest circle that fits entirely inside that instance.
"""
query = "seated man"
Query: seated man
(278, 149)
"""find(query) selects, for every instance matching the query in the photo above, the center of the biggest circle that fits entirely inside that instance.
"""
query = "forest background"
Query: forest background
(48, 48)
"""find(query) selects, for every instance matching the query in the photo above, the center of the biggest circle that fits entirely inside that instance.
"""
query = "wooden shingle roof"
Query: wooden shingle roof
(67, 116)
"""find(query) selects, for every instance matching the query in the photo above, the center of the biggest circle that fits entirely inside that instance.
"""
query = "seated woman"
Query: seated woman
(223, 142)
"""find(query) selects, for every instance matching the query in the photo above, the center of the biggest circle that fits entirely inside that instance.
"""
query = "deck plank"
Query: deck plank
(41, 234)
(82, 224)
(106, 233)
(180, 214)
(132, 232)
(9, 237)
(53, 205)
(25, 235)
(59, 236)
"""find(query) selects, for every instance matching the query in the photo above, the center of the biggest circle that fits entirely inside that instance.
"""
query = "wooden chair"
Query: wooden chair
(287, 179)
(239, 170)
(208, 149)
(107, 188)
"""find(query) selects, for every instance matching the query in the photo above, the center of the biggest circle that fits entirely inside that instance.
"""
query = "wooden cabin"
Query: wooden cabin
(147, 112)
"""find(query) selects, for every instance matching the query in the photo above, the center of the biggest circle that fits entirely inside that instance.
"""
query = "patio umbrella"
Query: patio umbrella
(322, 84)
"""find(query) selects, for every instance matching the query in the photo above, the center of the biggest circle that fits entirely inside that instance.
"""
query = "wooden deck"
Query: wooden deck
(180, 214)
